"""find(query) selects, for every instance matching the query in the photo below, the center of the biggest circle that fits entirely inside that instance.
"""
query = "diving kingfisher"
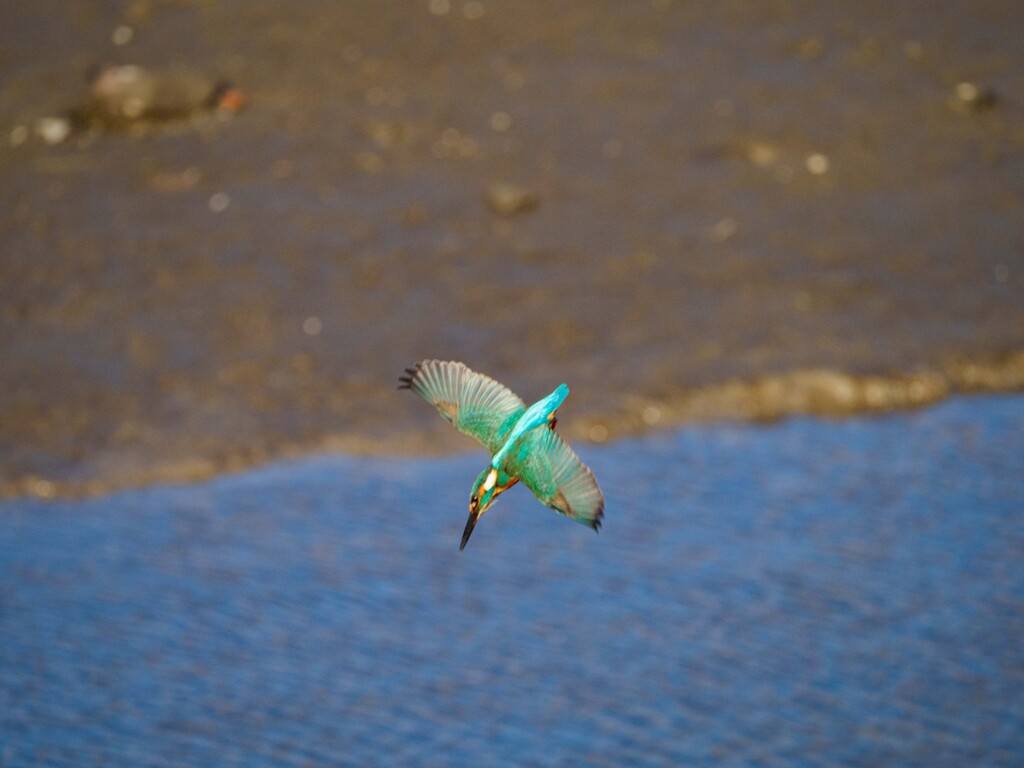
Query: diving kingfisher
(522, 441)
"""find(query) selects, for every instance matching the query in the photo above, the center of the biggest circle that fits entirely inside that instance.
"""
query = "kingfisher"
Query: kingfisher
(522, 441)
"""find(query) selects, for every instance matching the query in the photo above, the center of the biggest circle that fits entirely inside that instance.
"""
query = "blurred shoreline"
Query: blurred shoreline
(817, 393)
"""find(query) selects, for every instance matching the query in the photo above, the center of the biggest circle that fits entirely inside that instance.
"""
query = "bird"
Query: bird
(523, 443)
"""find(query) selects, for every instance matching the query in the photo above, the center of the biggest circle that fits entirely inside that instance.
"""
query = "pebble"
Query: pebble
(511, 199)
(500, 121)
(18, 135)
(53, 130)
(122, 97)
(122, 35)
(970, 97)
(818, 164)
(219, 202)
(652, 414)
(724, 229)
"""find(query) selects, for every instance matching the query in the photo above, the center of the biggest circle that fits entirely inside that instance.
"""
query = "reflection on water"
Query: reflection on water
(807, 593)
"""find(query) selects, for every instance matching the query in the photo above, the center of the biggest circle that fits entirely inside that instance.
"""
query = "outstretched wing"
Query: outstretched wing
(555, 474)
(474, 404)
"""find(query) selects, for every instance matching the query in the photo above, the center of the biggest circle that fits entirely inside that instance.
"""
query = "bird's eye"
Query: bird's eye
(474, 500)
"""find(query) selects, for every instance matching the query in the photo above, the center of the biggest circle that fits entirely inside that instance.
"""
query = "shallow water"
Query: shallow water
(808, 593)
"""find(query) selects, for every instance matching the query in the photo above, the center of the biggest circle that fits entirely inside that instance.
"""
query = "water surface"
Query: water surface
(810, 593)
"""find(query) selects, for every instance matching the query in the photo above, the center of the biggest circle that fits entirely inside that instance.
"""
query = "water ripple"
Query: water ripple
(807, 593)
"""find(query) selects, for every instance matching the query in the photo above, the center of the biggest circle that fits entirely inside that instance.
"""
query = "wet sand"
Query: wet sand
(737, 210)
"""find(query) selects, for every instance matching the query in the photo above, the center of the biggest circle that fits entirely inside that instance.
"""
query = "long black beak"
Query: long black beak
(473, 517)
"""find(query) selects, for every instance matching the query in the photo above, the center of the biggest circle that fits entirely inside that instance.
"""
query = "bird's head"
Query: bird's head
(488, 486)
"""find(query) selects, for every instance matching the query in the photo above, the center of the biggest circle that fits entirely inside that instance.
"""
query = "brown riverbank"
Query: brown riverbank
(823, 393)
(686, 211)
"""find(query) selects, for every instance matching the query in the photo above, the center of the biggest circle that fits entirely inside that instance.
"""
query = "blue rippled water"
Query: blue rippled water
(808, 593)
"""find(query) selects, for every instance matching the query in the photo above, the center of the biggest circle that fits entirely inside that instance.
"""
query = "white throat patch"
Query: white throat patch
(492, 478)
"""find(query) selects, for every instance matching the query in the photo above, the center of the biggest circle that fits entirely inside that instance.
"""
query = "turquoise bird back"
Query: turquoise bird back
(537, 415)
